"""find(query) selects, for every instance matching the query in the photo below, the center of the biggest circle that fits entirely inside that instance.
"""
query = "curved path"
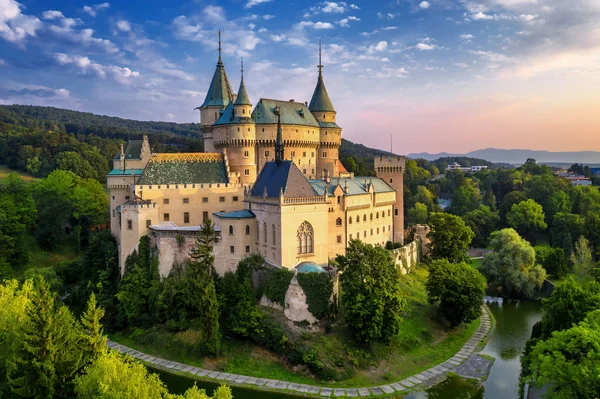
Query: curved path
(424, 378)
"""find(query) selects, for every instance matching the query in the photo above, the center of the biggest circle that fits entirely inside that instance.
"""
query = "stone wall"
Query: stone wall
(407, 257)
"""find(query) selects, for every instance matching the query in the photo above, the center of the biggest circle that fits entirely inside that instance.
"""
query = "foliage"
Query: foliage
(568, 363)
(553, 260)
(278, 284)
(450, 237)
(466, 198)
(417, 214)
(568, 305)
(527, 217)
(583, 263)
(318, 288)
(371, 297)
(511, 266)
(93, 337)
(563, 225)
(458, 288)
(510, 199)
(482, 222)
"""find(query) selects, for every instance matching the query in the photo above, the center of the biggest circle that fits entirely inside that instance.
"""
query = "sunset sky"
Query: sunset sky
(437, 75)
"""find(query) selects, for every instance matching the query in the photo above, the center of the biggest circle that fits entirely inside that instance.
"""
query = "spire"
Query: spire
(279, 142)
(219, 92)
(242, 96)
(320, 100)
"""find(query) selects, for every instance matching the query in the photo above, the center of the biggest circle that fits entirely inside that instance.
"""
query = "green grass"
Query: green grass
(5, 171)
(476, 263)
(39, 258)
(422, 343)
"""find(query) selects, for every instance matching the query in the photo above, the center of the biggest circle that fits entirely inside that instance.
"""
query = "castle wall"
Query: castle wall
(173, 248)
(391, 170)
(232, 248)
(132, 232)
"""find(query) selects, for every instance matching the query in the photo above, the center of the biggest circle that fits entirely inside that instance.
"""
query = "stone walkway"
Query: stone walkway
(423, 379)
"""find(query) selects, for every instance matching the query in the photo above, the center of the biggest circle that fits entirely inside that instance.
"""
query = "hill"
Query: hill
(519, 156)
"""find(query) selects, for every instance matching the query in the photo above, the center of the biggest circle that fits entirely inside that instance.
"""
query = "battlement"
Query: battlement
(196, 186)
(390, 163)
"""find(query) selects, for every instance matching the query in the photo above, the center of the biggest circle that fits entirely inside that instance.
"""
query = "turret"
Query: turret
(320, 103)
(242, 105)
(218, 96)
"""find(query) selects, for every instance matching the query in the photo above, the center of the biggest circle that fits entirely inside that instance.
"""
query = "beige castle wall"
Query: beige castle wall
(336, 211)
(242, 243)
(130, 238)
(171, 252)
(407, 257)
(391, 170)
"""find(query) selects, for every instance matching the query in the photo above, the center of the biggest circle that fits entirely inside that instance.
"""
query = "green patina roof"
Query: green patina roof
(320, 99)
(243, 214)
(126, 172)
(227, 117)
(219, 93)
(356, 186)
(292, 113)
(183, 171)
(330, 125)
(133, 150)
(242, 96)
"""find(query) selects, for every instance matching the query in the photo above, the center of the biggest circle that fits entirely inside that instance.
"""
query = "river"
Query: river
(514, 320)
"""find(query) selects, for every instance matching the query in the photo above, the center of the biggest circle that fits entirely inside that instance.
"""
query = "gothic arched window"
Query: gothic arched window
(305, 238)
(230, 230)
(247, 229)
(264, 232)
(350, 220)
(365, 217)
(338, 222)
(274, 236)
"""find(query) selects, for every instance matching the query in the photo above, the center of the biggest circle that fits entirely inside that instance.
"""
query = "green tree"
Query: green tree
(510, 199)
(560, 202)
(592, 230)
(418, 214)
(94, 341)
(483, 222)
(459, 290)
(583, 262)
(553, 260)
(450, 237)
(465, 199)
(73, 162)
(563, 225)
(511, 267)
(371, 296)
(568, 363)
(527, 217)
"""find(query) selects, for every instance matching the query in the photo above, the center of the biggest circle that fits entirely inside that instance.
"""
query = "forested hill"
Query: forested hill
(76, 122)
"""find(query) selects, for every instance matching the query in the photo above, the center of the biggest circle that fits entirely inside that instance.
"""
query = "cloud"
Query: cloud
(123, 25)
(83, 37)
(377, 48)
(315, 25)
(93, 10)
(425, 46)
(267, 17)
(67, 23)
(33, 92)
(387, 16)
(389, 28)
(16, 27)
(345, 22)
(332, 7)
(493, 57)
(467, 37)
(481, 16)
(252, 3)
(461, 65)
(89, 68)
(424, 5)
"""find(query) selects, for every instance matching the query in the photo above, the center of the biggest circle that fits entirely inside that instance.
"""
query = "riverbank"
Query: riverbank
(416, 381)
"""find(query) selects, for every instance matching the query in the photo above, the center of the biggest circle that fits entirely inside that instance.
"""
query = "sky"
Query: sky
(433, 75)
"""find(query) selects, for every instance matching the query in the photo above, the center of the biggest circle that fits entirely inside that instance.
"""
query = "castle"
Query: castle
(269, 178)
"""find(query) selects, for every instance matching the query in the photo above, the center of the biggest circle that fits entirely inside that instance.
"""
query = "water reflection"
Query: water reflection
(451, 388)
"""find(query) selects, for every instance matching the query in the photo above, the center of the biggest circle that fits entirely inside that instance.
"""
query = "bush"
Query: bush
(318, 288)
(278, 284)
(458, 288)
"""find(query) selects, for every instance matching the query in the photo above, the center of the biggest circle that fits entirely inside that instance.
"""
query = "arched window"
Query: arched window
(230, 230)
(305, 236)
(274, 239)
(371, 217)
(265, 232)
(391, 180)
(338, 222)
(365, 217)
(257, 232)
(377, 215)
(350, 220)
(247, 229)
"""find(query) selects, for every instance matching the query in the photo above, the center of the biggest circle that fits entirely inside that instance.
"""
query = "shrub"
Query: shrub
(278, 284)
(318, 288)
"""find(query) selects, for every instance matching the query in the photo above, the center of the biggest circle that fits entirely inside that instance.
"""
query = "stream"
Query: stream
(514, 320)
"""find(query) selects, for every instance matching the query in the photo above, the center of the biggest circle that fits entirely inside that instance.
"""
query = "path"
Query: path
(423, 379)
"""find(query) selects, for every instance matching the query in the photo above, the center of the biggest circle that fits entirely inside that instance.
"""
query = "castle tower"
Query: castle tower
(391, 170)
(331, 134)
(235, 131)
(218, 96)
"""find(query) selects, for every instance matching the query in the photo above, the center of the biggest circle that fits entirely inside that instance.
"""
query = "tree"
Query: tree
(450, 237)
(560, 202)
(483, 222)
(568, 305)
(592, 230)
(527, 217)
(417, 214)
(583, 262)
(370, 296)
(511, 267)
(568, 363)
(553, 260)
(458, 288)
(563, 225)
(465, 199)
(513, 197)
(94, 341)
(72, 161)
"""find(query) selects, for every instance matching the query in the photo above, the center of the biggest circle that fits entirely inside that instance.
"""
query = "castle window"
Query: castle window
(395, 211)
(204, 200)
(267, 154)
(391, 180)
(377, 215)
(204, 216)
(304, 154)
(243, 112)
(296, 130)
(350, 237)
(358, 219)
(127, 197)
(338, 221)
(238, 129)
(324, 154)
(246, 172)
(257, 232)
(313, 171)
(350, 220)
(166, 201)
(312, 154)
(215, 116)
(339, 239)
(371, 231)
(378, 230)
(166, 217)
(221, 199)
(230, 230)
(148, 223)
(274, 236)
(383, 229)
(305, 237)
(246, 154)
(339, 200)
(231, 249)
(247, 229)
(263, 129)
(186, 200)
(389, 213)
(358, 236)
(186, 217)
(293, 154)
(264, 232)
(365, 233)
(235, 198)
(129, 225)
(113, 197)
(371, 217)
(247, 249)
(304, 171)
(365, 217)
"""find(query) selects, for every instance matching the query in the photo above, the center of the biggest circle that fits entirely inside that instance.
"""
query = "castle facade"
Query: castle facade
(269, 178)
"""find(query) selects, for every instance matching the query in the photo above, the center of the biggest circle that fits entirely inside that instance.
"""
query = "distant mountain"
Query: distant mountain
(518, 157)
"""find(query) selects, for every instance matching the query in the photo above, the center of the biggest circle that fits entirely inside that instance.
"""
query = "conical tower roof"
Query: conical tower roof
(219, 93)
(320, 100)
(242, 96)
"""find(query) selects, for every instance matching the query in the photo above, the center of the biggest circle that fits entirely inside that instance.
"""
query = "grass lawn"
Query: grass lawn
(476, 263)
(5, 171)
(421, 343)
